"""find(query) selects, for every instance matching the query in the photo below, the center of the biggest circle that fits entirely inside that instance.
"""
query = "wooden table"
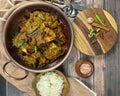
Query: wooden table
(106, 78)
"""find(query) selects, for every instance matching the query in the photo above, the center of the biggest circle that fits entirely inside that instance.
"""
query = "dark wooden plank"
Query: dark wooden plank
(2, 86)
(118, 46)
(112, 75)
(12, 91)
(71, 62)
(99, 64)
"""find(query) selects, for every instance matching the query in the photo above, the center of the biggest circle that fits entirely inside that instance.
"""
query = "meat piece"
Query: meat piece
(29, 60)
(53, 51)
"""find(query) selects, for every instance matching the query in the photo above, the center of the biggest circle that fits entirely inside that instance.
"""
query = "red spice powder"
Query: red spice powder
(85, 68)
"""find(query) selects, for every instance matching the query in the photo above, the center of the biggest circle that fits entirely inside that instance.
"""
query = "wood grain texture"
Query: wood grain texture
(103, 42)
(13, 91)
(77, 89)
(106, 78)
(112, 87)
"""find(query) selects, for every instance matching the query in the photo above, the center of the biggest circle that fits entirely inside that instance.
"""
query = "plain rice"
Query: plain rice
(50, 84)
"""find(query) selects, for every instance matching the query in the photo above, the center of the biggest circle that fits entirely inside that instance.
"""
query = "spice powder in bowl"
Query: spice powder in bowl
(84, 68)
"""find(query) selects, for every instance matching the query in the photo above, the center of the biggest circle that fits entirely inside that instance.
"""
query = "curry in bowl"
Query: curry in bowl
(41, 39)
(37, 37)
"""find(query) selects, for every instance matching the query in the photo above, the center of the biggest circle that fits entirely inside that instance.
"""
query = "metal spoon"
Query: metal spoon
(70, 9)
(75, 1)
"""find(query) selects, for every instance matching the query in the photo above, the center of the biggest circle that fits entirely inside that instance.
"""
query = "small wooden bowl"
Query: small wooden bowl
(65, 88)
(78, 68)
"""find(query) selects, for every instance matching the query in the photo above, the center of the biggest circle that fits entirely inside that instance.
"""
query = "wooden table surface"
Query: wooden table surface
(105, 80)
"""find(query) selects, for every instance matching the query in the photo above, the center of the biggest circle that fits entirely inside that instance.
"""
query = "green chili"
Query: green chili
(91, 34)
(20, 43)
(36, 27)
(35, 30)
(99, 19)
(35, 49)
(98, 29)
(94, 33)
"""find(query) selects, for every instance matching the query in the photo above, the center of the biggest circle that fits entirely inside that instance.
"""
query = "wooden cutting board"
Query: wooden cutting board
(25, 85)
(77, 88)
(100, 44)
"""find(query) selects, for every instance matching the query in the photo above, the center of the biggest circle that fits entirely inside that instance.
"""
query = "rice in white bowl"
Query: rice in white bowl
(50, 84)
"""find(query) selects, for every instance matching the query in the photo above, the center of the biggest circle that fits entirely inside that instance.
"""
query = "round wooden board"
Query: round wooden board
(103, 42)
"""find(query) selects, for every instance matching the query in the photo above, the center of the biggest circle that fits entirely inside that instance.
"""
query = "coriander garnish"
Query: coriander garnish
(20, 43)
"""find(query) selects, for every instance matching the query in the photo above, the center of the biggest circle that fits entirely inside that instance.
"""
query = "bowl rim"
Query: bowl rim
(26, 68)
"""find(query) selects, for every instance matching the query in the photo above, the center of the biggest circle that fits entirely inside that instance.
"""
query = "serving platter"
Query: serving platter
(25, 85)
(106, 38)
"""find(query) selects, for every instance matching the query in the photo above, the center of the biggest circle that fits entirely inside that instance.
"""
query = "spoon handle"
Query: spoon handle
(78, 6)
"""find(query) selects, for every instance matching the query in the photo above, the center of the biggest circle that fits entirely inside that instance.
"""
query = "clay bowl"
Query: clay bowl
(11, 29)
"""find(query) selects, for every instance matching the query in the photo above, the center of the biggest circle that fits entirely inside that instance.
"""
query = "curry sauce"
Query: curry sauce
(41, 39)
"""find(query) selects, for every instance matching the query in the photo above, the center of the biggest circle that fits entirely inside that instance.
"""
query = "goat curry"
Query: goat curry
(41, 39)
